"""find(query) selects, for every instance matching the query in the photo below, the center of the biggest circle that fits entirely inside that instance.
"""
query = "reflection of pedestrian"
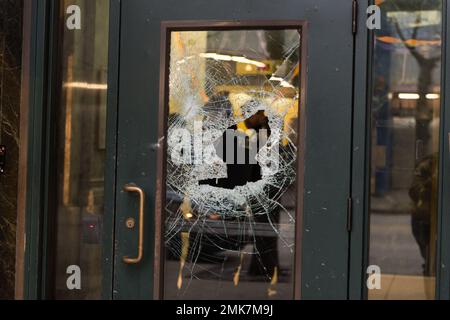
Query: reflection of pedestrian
(238, 174)
(424, 199)
(265, 258)
(264, 261)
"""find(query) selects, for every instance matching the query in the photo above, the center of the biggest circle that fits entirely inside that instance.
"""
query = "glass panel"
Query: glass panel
(231, 164)
(81, 152)
(405, 146)
(10, 88)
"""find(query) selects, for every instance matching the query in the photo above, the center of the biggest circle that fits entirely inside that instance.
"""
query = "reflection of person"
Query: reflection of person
(424, 196)
(264, 261)
(238, 174)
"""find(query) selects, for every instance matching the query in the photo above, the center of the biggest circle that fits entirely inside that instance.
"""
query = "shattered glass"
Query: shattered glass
(231, 164)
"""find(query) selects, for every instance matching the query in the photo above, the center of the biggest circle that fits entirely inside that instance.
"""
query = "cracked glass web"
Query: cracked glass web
(231, 164)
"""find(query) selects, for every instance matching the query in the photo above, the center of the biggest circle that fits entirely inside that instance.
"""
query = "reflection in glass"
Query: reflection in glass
(10, 89)
(405, 145)
(80, 154)
(231, 164)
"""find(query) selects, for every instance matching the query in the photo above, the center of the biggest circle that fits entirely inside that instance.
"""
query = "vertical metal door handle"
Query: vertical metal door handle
(140, 192)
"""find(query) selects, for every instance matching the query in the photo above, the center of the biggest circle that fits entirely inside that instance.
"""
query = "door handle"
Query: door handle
(135, 189)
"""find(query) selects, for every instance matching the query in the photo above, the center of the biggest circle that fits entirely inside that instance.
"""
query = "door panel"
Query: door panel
(405, 152)
(319, 232)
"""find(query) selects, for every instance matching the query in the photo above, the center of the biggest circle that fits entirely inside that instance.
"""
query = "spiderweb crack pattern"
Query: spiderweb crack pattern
(228, 218)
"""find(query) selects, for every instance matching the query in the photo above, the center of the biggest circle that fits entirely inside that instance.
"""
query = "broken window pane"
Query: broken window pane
(231, 164)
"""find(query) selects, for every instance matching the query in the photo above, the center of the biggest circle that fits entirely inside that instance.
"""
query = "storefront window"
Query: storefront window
(405, 119)
(80, 151)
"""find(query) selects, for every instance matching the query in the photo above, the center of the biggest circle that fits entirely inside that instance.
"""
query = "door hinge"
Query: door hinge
(349, 214)
(354, 16)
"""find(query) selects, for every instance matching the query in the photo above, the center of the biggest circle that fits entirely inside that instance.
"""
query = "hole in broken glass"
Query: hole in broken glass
(222, 187)
(222, 207)
(238, 150)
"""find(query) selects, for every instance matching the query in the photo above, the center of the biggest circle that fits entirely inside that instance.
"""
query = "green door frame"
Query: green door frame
(38, 138)
(41, 73)
(111, 150)
(360, 156)
(443, 255)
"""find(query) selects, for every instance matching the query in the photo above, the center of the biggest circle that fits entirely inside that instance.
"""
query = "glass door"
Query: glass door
(406, 144)
(231, 126)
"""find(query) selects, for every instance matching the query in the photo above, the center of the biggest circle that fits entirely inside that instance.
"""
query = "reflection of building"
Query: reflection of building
(399, 92)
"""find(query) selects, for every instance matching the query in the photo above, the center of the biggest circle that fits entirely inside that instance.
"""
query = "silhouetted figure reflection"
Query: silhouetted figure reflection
(423, 193)
(265, 258)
